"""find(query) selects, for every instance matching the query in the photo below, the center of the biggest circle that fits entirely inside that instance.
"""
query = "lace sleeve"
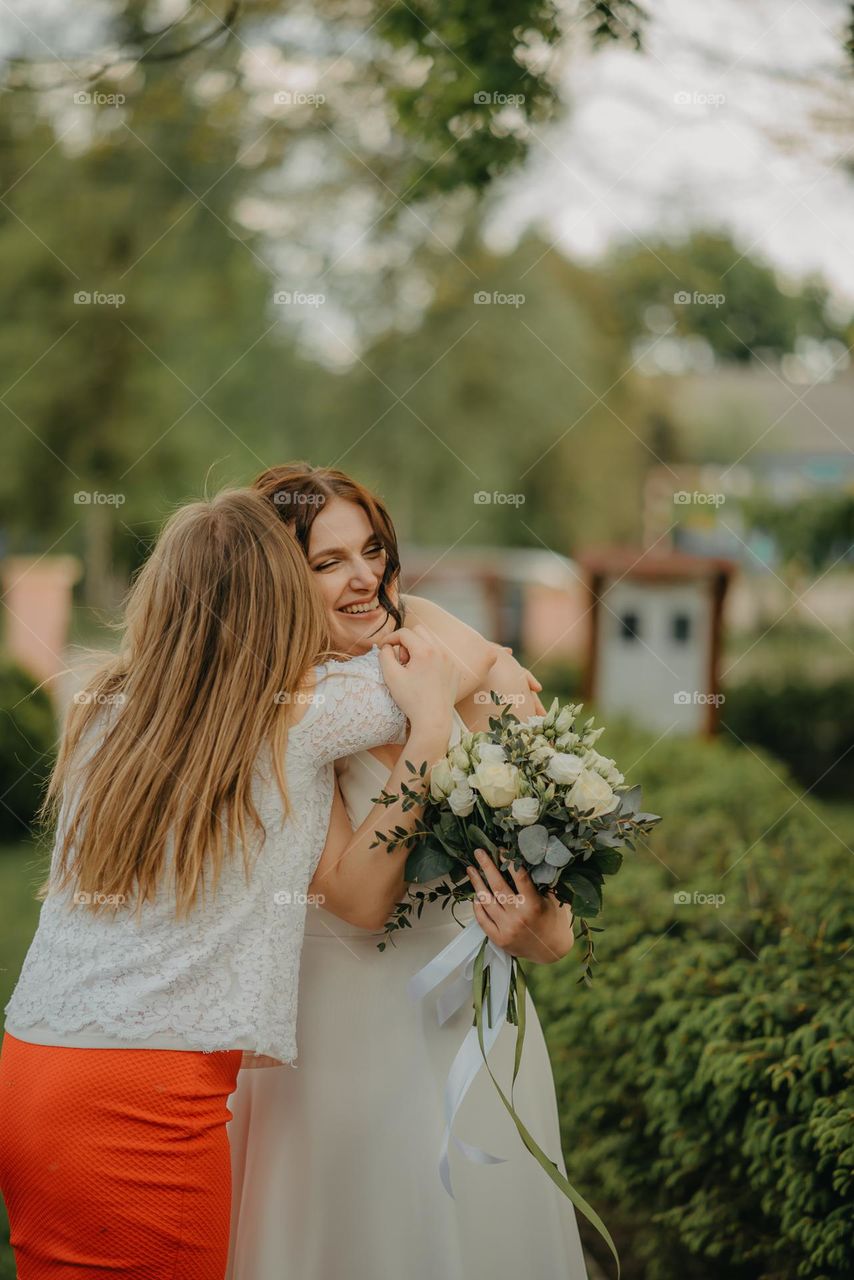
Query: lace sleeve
(352, 710)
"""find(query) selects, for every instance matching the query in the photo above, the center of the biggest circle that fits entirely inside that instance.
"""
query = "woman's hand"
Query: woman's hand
(534, 685)
(517, 917)
(421, 677)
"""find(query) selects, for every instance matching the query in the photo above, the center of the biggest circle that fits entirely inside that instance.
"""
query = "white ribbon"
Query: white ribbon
(462, 953)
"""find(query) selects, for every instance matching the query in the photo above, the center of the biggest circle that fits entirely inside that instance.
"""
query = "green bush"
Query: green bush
(27, 740)
(806, 722)
(706, 1080)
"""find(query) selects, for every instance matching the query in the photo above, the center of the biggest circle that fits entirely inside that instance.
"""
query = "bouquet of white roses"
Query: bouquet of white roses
(535, 794)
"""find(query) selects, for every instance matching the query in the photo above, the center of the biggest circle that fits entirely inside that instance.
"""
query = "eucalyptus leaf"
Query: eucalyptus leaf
(586, 896)
(542, 873)
(630, 800)
(533, 842)
(609, 861)
(427, 862)
(557, 854)
(479, 837)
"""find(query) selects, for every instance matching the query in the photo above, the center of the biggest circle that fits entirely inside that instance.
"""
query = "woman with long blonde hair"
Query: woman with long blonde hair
(192, 794)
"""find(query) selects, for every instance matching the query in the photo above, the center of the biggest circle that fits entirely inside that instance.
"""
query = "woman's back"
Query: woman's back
(226, 976)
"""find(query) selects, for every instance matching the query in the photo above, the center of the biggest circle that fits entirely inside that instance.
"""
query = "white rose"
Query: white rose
(491, 753)
(497, 782)
(526, 810)
(591, 791)
(564, 768)
(441, 780)
(564, 720)
(461, 801)
(605, 766)
(458, 757)
(459, 776)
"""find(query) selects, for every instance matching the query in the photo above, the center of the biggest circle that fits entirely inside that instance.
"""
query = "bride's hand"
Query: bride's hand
(517, 917)
(421, 676)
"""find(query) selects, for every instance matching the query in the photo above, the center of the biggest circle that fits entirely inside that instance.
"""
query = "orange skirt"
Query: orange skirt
(116, 1161)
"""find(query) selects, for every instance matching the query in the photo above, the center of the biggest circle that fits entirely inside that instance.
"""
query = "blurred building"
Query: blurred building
(531, 599)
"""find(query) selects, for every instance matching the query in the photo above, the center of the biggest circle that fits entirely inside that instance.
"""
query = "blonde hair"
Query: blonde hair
(222, 626)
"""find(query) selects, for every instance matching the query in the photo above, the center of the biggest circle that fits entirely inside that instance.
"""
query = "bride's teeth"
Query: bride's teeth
(360, 608)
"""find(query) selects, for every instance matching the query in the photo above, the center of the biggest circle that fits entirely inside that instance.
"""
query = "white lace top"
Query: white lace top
(227, 976)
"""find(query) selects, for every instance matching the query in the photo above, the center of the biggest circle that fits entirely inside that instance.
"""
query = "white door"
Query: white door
(654, 652)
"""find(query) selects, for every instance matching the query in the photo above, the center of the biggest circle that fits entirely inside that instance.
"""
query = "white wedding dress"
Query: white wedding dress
(335, 1162)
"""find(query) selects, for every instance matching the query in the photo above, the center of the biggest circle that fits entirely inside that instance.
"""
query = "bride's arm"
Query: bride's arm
(473, 656)
(355, 882)
(359, 883)
(482, 665)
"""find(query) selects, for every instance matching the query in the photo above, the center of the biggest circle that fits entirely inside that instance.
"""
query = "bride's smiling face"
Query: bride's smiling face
(348, 560)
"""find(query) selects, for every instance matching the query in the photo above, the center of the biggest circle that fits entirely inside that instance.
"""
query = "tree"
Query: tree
(705, 287)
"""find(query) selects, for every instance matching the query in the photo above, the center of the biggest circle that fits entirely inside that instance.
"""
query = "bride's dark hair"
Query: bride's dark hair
(298, 491)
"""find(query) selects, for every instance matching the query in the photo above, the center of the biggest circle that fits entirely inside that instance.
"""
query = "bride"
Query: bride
(335, 1164)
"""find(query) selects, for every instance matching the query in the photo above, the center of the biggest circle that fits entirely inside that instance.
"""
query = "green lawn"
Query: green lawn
(21, 870)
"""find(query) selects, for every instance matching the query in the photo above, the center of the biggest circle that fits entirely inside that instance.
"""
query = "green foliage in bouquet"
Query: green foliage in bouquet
(533, 793)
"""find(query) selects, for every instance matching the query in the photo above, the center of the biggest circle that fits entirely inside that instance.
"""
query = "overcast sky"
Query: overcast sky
(738, 115)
